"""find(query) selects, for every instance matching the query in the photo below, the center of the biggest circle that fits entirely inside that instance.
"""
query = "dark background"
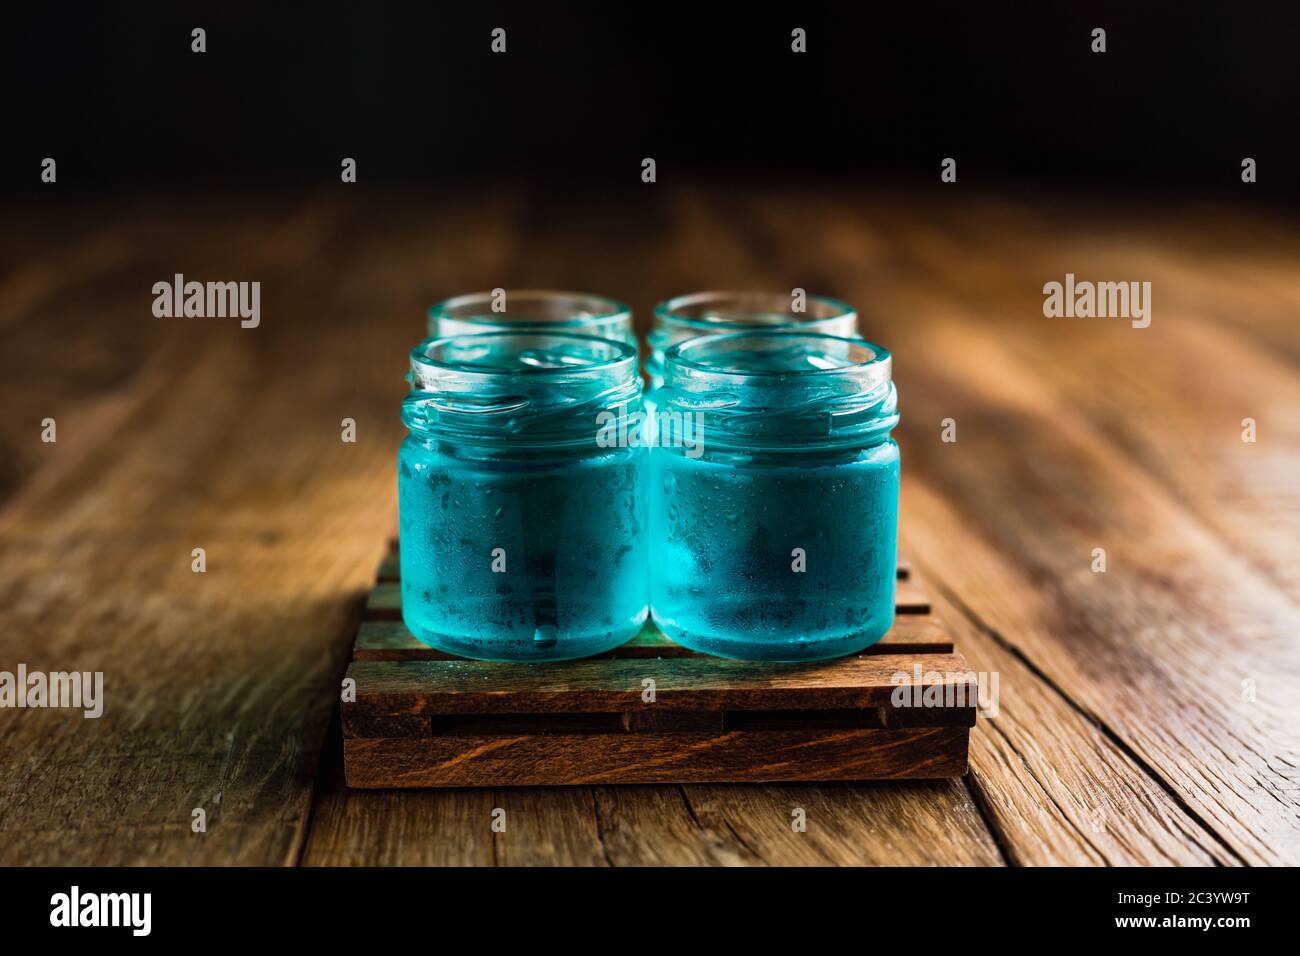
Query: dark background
(584, 92)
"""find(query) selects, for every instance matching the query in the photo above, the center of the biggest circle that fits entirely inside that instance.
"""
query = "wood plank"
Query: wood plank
(614, 686)
(894, 824)
(200, 713)
(384, 603)
(910, 598)
(218, 685)
(905, 823)
(754, 756)
(884, 824)
(1145, 806)
(1174, 623)
(450, 827)
(1058, 790)
(553, 827)
(1199, 625)
(654, 826)
(1179, 418)
(397, 827)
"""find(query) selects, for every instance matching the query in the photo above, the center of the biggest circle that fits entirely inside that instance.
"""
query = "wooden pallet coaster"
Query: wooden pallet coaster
(903, 709)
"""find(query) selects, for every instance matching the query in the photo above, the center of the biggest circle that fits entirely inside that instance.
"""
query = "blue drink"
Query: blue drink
(775, 537)
(522, 531)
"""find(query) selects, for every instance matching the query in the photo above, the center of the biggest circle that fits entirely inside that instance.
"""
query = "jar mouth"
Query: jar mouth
(575, 311)
(779, 353)
(497, 356)
(723, 311)
(527, 389)
(782, 389)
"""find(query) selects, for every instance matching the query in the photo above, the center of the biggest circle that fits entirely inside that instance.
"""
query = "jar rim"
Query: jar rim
(825, 310)
(609, 355)
(475, 308)
(680, 355)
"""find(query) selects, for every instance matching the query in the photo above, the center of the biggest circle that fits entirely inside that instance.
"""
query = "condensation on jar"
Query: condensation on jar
(773, 491)
(506, 310)
(522, 532)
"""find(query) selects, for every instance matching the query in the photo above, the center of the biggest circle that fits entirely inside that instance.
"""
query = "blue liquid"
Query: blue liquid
(572, 530)
(722, 529)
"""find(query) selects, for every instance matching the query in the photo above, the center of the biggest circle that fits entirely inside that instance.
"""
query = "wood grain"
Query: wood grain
(884, 824)
(218, 686)
(534, 760)
(613, 686)
(1179, 627)
(420, 718)
(1147, 714)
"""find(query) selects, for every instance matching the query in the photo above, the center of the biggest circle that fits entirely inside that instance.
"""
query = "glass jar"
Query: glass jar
(522, 525)
(703, 313)
(773, 492)
(577, 312)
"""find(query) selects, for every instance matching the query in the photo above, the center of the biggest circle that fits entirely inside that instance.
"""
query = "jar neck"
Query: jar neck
(705, 313)
(521, 310)
(522, 389)
(780, 389)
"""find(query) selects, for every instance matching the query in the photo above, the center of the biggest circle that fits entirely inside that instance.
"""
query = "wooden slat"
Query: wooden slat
(391, 641)
(384, 603)
(557, 759)
(614, 686)
(910, 598)
(390, 569)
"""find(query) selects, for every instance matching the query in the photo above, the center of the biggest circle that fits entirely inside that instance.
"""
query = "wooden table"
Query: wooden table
(1149, 714)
